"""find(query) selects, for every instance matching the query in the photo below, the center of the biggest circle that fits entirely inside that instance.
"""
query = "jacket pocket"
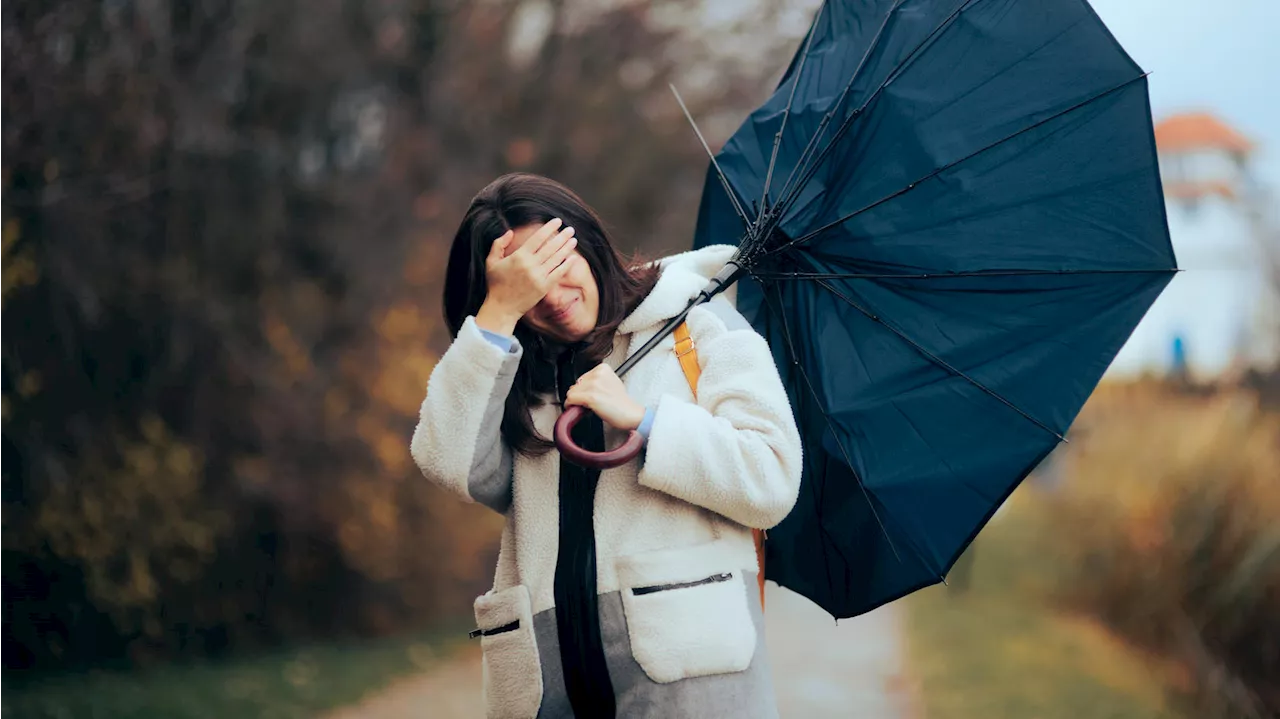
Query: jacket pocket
(512, 671)
(687, 612)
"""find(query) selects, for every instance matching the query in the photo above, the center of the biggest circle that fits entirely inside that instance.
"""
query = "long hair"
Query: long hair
(517, 200)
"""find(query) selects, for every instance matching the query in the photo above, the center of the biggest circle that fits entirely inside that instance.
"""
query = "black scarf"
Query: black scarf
(586, 675)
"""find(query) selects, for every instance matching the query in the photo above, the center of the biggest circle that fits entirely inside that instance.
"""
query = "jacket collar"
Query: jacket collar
(683, 276)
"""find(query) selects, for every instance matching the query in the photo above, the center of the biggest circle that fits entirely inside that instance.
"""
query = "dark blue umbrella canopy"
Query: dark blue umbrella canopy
(964, 223)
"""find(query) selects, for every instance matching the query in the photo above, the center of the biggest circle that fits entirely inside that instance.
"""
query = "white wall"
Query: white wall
(1213, 304)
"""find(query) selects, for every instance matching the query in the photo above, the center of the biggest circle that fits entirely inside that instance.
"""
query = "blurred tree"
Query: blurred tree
(224, 227)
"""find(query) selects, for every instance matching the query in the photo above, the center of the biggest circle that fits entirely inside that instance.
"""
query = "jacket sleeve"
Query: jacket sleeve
(736, 451)
(457, 443)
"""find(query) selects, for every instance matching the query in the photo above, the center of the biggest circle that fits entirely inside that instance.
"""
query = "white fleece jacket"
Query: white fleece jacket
(712, 469)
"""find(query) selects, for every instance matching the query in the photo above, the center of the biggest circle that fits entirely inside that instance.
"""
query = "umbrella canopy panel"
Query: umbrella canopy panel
(968, 224)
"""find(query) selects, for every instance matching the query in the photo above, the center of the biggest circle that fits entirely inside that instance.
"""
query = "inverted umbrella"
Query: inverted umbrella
(949, 220)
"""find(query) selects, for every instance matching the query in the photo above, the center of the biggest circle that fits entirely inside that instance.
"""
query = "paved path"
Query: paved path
(853, 670)
(823, 670)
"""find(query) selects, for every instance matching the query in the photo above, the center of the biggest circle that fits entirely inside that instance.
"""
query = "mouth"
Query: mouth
(562, 314)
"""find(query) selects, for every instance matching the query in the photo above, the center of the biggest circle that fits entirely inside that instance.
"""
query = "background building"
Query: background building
(1218, 316)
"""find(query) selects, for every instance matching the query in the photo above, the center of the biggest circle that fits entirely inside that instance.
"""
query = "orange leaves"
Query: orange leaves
(296, 359)
(370, 533)
(135, 527)
(521, 153)
(403, 362)
(19, 265)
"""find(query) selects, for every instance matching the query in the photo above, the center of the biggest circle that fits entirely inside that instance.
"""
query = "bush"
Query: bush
(1167, 527)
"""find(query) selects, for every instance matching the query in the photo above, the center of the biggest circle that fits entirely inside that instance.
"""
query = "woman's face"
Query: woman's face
(569, 311)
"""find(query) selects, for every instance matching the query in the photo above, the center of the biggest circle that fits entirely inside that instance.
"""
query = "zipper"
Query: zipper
(497, 630)
(713, 579)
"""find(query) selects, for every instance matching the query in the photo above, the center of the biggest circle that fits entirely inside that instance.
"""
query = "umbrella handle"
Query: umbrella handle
(625, 452)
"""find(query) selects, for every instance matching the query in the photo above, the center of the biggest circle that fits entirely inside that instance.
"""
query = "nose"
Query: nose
(557, 299)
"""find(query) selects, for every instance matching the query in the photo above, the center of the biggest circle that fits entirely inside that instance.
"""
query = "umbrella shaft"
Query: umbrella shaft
(725, 277)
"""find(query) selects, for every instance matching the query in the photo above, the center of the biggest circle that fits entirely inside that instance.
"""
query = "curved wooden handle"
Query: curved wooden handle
(625, 452)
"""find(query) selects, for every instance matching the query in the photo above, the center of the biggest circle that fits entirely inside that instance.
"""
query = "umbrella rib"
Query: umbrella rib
(826, 118)
(817, 401)
(897, 72)
(784, 276)
(728, 190)
(795, 83)
(939, 361)
(791, 351)
(791, 194)
(839, 221)
(1028, 200)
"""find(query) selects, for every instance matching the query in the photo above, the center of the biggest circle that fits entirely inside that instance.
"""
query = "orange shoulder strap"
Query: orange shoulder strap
(688, 356)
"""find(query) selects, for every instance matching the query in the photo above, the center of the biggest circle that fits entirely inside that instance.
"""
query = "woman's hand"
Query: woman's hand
(602, 392)
(518, 281)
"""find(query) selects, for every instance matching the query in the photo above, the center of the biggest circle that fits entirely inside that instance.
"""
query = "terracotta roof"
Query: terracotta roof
(1199, 130)
(1196, 190)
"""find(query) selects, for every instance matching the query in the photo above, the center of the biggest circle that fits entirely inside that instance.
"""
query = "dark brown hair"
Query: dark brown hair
(511, 202)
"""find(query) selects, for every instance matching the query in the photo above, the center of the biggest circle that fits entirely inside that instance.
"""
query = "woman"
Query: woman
(628, 592)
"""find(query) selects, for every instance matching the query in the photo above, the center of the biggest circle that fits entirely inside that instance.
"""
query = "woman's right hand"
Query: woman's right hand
(518, 281)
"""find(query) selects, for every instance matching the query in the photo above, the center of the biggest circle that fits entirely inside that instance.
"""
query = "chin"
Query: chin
(575, 331)
(576, 335)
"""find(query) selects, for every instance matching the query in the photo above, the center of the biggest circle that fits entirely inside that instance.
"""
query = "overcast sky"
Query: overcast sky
(1220, 55)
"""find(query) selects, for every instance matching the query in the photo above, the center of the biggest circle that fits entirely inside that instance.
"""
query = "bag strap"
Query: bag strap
(688, 356)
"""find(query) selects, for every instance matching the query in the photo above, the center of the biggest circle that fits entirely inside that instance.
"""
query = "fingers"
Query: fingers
(540, 237)
(577, 395)
(555, 244)
(600, 371)
(560, 270)
(560, 255)
(498, 249)
(586, 384)
(600, 390)
(592, 385)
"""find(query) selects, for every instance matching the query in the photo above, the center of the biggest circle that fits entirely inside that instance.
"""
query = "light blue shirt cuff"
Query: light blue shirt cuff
(646, 424)
(502, 342)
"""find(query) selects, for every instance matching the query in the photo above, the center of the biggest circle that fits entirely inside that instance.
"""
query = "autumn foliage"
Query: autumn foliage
(1167, 525)
(224, 231)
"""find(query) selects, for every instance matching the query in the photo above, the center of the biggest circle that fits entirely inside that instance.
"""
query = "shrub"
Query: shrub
(1168, 529)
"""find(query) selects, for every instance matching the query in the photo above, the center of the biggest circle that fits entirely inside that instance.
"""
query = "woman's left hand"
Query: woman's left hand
(601, 391)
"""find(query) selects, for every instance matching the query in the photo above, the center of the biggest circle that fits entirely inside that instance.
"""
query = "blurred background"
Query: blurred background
(224, 233)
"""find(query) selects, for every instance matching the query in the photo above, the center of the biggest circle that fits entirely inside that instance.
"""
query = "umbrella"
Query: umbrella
(949, 219)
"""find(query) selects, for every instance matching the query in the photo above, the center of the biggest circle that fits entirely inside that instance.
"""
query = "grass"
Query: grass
(997, 649)
(294, 683)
